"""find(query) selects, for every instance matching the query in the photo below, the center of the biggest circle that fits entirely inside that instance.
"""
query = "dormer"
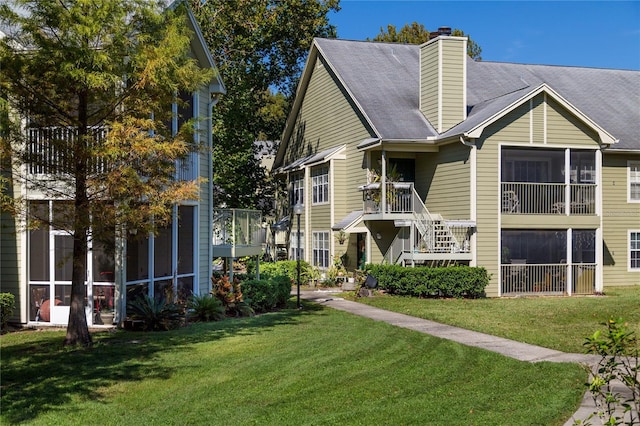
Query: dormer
(443, 80)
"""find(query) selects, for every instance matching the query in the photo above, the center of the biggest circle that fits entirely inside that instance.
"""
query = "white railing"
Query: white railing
(397, 197)
(547, 198)
(237, 227)
(50, 150)
(547, 278)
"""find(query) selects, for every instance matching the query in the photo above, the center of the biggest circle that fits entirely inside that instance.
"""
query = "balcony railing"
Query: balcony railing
(397, 197)
(237, 227)
(50, 150)
(548, 198)
(522, 278)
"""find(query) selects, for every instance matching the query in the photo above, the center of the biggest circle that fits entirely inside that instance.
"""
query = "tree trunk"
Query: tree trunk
(77, 328)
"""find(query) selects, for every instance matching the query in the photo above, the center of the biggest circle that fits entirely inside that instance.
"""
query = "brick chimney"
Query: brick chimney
(443, 80)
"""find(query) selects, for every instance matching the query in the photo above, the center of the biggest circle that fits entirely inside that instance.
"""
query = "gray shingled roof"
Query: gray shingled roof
(383, 79)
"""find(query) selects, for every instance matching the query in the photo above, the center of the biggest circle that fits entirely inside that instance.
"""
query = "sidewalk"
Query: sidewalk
(510, 348)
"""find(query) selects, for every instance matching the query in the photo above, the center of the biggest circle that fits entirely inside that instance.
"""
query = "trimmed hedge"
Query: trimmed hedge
(265, 295)
(452, 281)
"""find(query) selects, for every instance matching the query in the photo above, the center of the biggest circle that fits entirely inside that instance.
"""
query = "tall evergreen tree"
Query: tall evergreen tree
(259, 46)
(97, 67)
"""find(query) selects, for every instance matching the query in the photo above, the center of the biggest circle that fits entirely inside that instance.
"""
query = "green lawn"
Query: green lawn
(554, 322)
(312, 367)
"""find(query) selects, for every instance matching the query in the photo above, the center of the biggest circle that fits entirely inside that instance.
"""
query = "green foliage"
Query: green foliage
(618, 347)
(267, 294)
(7, 306)
(205, 308)
(156, 315)
(416, 33)
(259, 46)
(288, 268)
(455, 281)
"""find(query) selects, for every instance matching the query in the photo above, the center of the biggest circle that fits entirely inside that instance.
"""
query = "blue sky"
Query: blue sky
(602, 34)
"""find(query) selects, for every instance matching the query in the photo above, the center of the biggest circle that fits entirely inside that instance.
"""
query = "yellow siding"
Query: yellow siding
(429, 83)
(453, 84)
(537, 116)
(618, 218)
(565, 129)
(445, 176)
(319, 127)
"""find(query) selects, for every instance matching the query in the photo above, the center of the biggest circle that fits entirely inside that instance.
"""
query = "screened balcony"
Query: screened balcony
(534, 181)
(541, 262)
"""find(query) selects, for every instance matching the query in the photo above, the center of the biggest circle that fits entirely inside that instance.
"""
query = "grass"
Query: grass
(560, 323)
(315, 367)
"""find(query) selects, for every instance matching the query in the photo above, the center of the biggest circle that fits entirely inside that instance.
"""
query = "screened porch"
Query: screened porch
(553, 262)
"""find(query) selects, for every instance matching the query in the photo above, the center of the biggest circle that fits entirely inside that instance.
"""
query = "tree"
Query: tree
(416, 33)
(259, 46)
(105, 72)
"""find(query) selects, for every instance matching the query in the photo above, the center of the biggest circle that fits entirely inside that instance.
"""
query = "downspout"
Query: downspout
(473, 194)
(213, 100)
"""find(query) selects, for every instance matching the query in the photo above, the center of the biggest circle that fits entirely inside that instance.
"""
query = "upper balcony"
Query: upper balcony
(49, 152)
(237, 233)
(548, 198)
(538, 181)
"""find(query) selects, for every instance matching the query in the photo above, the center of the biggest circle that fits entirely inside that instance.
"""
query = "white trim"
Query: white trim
(332, 207)
(439, 121)
(473, 171)
(544, 118)
(630, 163)
(629, 232)
(599, 287)
(531, 124)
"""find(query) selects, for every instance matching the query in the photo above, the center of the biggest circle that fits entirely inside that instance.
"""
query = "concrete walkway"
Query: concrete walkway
(517, 350)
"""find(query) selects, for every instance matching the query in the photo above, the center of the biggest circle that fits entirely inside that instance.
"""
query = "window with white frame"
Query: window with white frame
(634, 250)
(321, 249)
(294, 250)
(297, 189)
(320, 185)
(633, 178)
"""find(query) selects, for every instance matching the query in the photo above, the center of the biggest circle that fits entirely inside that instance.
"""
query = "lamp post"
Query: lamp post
(297, 209)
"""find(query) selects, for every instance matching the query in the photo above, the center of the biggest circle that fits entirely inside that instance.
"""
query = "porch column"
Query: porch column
(383, 183)
(567, 181)
(569, 282)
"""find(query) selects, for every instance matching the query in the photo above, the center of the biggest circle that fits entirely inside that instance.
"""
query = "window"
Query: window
(321, 249)
(297, 189)
(634, 250)
(634, 181)
(320, 185)
(293, 245)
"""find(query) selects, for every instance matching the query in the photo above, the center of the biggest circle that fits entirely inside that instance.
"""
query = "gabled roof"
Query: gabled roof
(383, 81)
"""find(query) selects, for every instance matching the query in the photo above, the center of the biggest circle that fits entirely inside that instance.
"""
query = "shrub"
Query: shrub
(288, 268)
(7, 306)
(620, 363)
(267, 294)
(453, 281)
(155, 314)
(205, 308)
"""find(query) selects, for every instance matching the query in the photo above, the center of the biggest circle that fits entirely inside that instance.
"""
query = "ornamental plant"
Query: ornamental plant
(614, 382)
(230, 294)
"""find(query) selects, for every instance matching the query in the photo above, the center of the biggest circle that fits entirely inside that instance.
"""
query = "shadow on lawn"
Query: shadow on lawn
(41, 375)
